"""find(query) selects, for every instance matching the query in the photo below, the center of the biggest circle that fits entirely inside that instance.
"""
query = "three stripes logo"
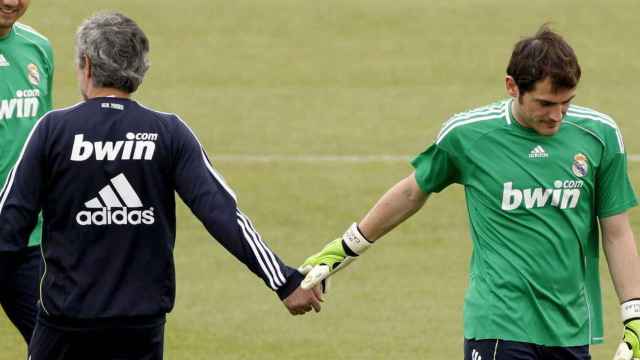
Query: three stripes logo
(538, 152)
(113, 206)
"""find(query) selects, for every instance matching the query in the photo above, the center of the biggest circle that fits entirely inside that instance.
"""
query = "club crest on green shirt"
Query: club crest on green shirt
(580, 166)
(33, 74)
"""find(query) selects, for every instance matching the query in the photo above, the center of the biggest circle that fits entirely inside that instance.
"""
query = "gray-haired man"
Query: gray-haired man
(105, 172)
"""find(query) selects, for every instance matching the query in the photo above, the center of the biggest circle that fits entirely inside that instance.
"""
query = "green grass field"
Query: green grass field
(349, 77)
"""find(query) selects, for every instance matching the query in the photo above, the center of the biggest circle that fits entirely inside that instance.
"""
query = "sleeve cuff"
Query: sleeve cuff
(293, 281)
(618, 210)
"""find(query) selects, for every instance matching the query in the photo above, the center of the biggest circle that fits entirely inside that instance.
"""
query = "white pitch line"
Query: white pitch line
(312, 158)
(331, 158)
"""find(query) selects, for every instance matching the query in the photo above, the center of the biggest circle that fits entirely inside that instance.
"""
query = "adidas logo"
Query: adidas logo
(118, 195)
(3, 61)
(475, 355)
(538, 152)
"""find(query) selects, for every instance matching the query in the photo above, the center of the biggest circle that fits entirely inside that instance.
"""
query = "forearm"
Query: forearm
(622, 256)
(624, 267)
(394, 207)
(399, 203)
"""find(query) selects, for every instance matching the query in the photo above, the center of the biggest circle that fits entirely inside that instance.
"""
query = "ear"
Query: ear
(512, 87)
(87, 67)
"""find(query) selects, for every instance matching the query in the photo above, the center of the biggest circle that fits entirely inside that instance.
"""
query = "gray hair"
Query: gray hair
(117, 49)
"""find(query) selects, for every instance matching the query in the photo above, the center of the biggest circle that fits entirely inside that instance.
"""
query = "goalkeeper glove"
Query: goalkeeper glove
(334, 257)
(629, 348)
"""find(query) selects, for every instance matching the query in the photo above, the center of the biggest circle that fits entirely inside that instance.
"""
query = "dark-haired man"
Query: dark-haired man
(105, 173)
(540, 175)
(26, 74)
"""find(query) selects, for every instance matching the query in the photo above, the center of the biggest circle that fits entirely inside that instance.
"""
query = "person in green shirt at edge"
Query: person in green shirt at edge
(26, 73)
(540, 174)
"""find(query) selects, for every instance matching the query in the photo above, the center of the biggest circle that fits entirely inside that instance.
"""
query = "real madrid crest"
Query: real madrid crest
(580, 165)
(33, 74)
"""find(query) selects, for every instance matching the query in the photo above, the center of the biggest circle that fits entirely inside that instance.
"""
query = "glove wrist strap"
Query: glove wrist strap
(630, 310)
(355, 241)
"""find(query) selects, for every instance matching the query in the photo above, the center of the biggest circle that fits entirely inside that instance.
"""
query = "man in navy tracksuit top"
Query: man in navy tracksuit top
(104, 174)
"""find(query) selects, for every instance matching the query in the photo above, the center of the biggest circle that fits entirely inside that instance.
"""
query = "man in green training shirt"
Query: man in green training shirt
(26, 70)
(540, 175)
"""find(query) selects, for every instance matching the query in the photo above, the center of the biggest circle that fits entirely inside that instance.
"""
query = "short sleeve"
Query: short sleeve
(614, 192)
(435, 169)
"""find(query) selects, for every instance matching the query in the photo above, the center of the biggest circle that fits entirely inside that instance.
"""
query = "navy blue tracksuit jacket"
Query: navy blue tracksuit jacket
(104, 173)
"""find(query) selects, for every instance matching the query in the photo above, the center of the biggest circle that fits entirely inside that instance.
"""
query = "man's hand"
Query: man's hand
(301, 301)
(333, 257)
(629, 348)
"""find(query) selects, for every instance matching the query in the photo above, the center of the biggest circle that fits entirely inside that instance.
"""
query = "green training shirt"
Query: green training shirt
(533, 203)
(26, 70)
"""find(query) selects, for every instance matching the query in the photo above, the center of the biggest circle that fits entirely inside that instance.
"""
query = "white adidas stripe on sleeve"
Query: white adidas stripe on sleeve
(269, 259)
(264, 248)
(255, 253)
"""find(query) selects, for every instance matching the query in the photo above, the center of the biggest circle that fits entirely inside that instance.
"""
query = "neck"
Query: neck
(5, 31)
(107, 92)
(515, 111)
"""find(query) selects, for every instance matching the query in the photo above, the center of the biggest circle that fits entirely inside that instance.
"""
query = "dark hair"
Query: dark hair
(546, 54)
(117, 48)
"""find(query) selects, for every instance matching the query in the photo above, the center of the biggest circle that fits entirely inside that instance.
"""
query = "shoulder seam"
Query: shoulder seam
(466, 118)
(43, 51)
(476, 111)
(205, 158)
(31, 30)
(589, 114)
(72, 107)
(587, 130)
(156, 111)
(589, 110)
(470, 114)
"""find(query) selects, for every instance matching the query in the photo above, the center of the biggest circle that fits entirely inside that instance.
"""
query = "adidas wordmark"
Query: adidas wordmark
(109, 207)
(538, 152)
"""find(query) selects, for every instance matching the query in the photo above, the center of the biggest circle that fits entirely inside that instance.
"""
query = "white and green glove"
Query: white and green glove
(334, 257)
(629, 348)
